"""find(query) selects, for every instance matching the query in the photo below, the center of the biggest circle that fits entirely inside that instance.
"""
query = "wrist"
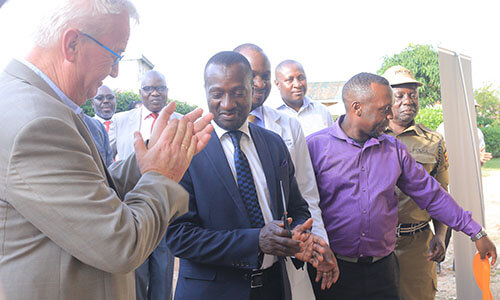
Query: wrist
(479, 235)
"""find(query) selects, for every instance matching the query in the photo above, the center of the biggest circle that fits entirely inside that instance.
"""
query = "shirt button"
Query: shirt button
(363, 234)
(364, 211)
(363, 169)
(364, 190)
(361, 255)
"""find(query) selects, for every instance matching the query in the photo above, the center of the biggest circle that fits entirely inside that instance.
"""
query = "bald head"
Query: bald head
(261, 69)
(292, 83)
(154, 92)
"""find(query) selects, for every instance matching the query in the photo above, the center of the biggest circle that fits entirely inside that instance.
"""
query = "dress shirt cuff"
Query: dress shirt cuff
(472, 228)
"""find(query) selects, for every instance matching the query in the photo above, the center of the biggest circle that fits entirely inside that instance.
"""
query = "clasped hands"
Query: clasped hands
(173, 143)
(304, 245)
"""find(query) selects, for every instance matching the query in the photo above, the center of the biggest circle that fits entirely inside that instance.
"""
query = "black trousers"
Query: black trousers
(360, 281)
(272, 288)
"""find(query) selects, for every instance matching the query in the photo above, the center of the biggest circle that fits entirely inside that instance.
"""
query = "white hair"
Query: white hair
(87, 15)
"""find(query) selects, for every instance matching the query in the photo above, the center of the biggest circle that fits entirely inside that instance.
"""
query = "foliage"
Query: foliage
(492, 164)
(124, 98)
(430, 117)
(422, 61)
(183, 107)
(488, 99)
(492, 139)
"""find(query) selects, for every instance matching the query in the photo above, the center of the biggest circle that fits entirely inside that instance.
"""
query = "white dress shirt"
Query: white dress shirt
(248, 147)
(313, 116)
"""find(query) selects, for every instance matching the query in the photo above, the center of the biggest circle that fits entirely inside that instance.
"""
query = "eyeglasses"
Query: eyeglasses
(116, 58)
(150, 89)
(108, 97)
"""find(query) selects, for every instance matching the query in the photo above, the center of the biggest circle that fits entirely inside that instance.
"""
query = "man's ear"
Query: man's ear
(277, 83)
(356, 107)
(71, 41)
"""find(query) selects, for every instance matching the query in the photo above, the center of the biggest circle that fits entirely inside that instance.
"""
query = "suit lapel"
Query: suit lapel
(19, 70)
(267, 165)
(218, 159)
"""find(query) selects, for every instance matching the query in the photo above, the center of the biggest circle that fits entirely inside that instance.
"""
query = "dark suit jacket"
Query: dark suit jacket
(216, 244)
(100, 137)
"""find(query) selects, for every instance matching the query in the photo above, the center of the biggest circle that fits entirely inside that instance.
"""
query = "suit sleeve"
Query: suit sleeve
(306, 181)
(188, 239)
(53, 180)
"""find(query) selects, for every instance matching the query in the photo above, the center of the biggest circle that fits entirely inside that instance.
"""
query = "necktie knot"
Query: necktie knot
(235, 138)
(153, 115)
(107, 122)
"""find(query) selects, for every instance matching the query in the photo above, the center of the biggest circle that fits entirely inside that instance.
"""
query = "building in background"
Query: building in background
(130, 73)
(328, 93)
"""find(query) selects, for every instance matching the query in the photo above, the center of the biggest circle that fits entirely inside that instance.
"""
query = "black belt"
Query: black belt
(411, 229)
(259, 277)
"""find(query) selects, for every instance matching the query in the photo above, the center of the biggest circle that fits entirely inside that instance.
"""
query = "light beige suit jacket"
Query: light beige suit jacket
(64, 232)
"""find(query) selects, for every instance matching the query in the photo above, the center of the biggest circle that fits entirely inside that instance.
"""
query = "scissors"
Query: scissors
(284, 218)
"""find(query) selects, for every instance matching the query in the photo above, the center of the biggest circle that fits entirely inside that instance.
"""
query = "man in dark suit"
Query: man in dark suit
(100, 137)
(230, 244)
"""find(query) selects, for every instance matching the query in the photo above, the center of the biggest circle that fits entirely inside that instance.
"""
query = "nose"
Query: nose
(297, 82)
(114, 70)
(227, 103)
(258, 83)
(406, 99)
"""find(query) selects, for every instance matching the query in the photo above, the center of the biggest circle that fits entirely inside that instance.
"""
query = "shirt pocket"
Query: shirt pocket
(426, 159)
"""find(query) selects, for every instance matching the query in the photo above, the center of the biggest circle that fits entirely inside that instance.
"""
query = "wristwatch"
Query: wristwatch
(478, 236)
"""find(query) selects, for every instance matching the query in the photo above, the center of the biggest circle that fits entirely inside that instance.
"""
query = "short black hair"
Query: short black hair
(359, 86)
(249, 46)
(229, 58)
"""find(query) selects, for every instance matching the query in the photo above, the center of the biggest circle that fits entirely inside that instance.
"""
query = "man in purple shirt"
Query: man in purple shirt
(357, 169)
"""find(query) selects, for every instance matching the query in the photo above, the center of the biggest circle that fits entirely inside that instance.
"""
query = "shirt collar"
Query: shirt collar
(337, 132)
(145, 112)
(66, 100)
(414, 127)
(221, 131)
(305, 103)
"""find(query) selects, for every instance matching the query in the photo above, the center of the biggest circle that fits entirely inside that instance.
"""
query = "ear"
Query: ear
(71, 44)
(277, 83)
(357, 108)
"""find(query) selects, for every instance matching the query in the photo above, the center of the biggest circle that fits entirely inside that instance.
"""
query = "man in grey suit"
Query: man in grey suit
(71, 229)
(154, 95)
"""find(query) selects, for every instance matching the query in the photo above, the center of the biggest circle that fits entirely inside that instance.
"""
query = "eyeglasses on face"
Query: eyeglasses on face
(150, 89)
(116, 57)
(108, 97)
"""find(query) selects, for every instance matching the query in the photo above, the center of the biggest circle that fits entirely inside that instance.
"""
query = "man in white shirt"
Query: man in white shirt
(104, 105)
(153, 278)
(290, 131)
(292, 82)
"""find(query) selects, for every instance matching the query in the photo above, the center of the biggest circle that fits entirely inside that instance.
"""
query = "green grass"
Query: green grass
(492, 164)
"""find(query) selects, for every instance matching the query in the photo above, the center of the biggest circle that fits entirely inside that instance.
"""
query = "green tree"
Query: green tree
(123, 100)
(488, 99)
(430, 116)
(422, 61)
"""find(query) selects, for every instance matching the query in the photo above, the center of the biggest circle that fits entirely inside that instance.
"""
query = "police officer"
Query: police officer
(417, 248)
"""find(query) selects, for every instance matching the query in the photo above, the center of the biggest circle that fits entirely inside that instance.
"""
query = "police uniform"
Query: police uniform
(418, 276)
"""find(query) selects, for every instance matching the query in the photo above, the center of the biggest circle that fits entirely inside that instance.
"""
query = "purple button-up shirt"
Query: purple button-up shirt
(357, 199)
